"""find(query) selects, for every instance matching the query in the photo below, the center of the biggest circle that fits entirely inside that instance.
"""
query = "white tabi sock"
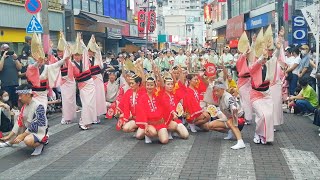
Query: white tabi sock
(147, 140)
(38, 150)
(229, 136)
(240, 144)
(170, 135)
(193, 128)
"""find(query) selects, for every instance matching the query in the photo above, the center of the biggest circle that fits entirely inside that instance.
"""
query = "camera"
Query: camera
(9, 53)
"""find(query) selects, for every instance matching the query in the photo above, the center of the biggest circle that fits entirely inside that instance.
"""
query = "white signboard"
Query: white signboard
(310, 14)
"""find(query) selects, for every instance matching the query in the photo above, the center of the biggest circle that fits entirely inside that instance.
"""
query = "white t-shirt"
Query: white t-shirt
(295, 61)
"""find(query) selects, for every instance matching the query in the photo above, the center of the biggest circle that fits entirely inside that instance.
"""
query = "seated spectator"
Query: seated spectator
(307, 100)
(6, 115)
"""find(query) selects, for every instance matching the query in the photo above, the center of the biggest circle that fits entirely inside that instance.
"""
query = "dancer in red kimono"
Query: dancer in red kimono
(128, 107)
(150, 110)
(171, 98)
(191, 103)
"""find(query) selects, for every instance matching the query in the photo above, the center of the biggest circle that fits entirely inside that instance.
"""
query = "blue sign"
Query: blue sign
(299, 30)
(259, 21)
(33, 6)
(34, 26)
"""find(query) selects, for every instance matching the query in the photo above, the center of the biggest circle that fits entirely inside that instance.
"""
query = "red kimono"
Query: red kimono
(128, 104)
(191, 104)
(151, 112)
(169, 104)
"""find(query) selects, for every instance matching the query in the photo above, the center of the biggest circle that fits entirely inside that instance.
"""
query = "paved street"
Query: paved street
(104, 153)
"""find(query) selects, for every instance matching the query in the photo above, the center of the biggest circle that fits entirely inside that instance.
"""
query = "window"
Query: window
(256, 4)
(93, 6)
(85, 5)
(245, 6)
(76, 4)
(223, 12)
(99, 8)
(235, 8)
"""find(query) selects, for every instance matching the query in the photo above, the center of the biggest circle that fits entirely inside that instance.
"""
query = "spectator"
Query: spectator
(26, 51)
(9, 70)
(307, 99)
(6, 122)
(304, 65)
(293, 63)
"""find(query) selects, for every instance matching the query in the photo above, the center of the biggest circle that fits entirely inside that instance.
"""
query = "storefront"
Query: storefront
(14, 19)
(106, 30)
(253, 25)
(235, 28)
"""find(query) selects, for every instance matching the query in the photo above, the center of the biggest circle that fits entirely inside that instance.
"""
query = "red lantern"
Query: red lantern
(151, 21)
(141, 21)
(207, 13)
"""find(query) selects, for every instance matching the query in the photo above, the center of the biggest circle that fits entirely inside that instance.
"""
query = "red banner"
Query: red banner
(141, 21)
(207, 13)
(286, 12)
(151, 21)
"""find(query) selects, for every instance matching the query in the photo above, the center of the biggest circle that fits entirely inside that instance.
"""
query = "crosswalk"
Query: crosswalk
(104, 153)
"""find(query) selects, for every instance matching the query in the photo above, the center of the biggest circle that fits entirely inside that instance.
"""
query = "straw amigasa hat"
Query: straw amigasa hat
(268, 38)
(36, 48)
(243, 44)
(62, 43)
(92, 45)
(260, 44)
(77, 47)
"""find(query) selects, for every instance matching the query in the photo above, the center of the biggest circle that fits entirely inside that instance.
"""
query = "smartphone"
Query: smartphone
(9, 53)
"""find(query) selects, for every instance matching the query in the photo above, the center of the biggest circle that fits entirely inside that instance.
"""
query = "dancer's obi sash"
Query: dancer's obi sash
(83, 76)
(43, 86)
(256, 95)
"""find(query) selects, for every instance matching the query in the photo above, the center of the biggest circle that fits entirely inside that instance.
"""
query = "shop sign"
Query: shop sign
(299, 30)
(258, 21)
(235, 27)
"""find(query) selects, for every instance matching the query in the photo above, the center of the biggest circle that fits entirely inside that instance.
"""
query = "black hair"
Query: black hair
(2, 92)
(303, 81)
(190, 76)
(295, 50)
(137, 79)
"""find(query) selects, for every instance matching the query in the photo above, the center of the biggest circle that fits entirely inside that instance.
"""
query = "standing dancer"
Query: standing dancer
(82, 74)
(96, 65)
(41, 75)
(261, 72)
(68, 85)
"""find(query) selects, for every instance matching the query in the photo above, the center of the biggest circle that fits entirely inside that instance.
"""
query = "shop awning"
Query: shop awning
(136, 40)
(98, 18)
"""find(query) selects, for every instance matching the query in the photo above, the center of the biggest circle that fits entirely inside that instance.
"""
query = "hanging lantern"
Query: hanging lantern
(141, 21)
(151, 21)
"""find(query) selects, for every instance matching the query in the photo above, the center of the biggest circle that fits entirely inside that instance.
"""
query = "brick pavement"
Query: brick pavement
(104, 153)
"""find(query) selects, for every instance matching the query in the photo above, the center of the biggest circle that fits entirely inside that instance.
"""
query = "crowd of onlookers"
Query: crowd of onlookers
(299, 83)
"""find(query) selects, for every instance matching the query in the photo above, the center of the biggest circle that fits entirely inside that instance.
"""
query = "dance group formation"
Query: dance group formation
(156, 99)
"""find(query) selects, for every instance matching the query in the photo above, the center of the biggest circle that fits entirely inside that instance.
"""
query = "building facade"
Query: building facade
(15, 19)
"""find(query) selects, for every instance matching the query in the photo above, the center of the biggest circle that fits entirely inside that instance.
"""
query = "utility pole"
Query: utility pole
(146, 20)
(45, 25)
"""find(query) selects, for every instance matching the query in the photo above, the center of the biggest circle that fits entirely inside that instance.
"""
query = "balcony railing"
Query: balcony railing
(52, 4)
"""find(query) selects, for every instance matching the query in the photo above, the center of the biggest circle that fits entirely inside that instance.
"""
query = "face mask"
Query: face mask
(6, 98)
(303, 52)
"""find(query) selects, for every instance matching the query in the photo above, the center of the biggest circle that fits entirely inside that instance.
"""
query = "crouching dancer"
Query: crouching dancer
(228, 119)
(32, 124)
